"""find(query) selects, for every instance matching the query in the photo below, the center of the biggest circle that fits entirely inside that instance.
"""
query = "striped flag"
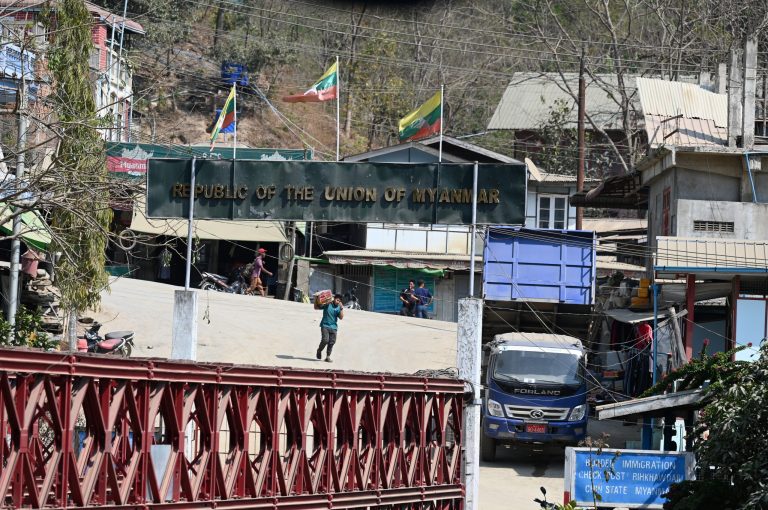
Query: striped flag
(424, 121)
(226, 117)
(324, 89)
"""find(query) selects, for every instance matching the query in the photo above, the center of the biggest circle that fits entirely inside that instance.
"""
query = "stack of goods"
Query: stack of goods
(641, 297)
(323, 297)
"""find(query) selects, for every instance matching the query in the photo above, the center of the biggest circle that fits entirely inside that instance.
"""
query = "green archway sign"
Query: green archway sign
(322, 191)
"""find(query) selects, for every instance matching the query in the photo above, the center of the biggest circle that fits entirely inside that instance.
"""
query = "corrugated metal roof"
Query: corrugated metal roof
(528, 100)
(431, 145)
(671, 98)
(710, 254)
(682, 114)
(114, 19)
(546, 177)
(684, 132)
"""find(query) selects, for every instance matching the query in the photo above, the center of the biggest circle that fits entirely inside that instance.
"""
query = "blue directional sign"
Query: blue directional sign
(626, 478)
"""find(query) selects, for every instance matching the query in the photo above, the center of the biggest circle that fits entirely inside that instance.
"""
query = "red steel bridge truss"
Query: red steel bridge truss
(81, 431)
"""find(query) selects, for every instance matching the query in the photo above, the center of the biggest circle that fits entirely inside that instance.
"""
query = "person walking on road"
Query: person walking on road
(329, 325)
(409, 300)
(258, 268)
(424, 300)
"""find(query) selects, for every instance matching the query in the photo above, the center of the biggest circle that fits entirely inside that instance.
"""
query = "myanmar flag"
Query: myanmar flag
(422, 122)
(226, 117)
(325, 89)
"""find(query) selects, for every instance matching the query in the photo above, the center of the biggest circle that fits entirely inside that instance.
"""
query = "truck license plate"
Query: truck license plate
(536, 428)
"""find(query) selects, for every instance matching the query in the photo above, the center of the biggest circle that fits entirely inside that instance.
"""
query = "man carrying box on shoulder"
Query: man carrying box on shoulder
(329, 326)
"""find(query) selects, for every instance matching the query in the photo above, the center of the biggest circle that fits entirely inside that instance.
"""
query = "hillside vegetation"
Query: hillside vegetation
(394, 55)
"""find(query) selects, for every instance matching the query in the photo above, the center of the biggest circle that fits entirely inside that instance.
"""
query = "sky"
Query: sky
(750, 326)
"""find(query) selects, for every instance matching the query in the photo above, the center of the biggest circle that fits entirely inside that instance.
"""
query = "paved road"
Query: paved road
(246, 329)
(513, 481)
(270, 332)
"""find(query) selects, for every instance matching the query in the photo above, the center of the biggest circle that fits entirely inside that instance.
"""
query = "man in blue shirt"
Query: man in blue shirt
(329, 326)
(425, 299)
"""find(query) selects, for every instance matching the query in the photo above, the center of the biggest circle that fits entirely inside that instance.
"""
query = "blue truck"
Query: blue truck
(535, 391)
(541, 284)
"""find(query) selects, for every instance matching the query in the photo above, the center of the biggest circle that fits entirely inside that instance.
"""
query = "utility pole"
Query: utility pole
(582, 114)
(21, 149)
(748, 91)
(287, 291)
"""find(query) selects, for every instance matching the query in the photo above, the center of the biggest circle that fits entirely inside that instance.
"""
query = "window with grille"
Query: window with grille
(712, 226)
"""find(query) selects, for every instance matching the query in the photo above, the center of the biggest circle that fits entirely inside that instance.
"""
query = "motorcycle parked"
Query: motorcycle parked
(235, 284)
(350, 299)
(116, 342)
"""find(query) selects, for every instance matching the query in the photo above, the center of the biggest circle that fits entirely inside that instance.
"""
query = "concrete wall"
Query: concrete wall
(689, 185)
(698, 185)
(749, 219)
(655, 205)
(442, 239)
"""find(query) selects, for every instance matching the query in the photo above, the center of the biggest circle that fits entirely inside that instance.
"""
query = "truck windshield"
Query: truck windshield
(537, 367)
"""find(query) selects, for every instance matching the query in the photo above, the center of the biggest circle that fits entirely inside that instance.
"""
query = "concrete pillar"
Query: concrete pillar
(722, 78)
(750, 83)
(184, 340)
(734, 98)
(468, 358)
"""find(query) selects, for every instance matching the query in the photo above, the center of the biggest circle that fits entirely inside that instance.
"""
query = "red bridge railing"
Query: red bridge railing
(88, 431)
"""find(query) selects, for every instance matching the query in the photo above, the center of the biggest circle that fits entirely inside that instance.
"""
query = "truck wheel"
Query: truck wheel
(487, 448)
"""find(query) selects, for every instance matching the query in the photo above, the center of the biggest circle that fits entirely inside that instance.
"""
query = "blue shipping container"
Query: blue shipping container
(539, 265)
(232, 72)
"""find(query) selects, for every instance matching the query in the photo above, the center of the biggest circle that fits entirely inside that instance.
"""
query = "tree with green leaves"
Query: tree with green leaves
(81, 218)
(731, 440)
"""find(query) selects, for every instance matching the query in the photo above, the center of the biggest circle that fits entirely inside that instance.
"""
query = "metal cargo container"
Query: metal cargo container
(233, 72)
(539, 265)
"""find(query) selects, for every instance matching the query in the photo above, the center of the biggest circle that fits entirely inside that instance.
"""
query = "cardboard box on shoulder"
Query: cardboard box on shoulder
(323, 297)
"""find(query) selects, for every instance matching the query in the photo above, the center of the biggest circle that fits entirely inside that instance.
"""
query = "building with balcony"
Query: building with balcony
(111, 71)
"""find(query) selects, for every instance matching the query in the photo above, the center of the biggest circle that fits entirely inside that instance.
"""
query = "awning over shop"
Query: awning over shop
(403, 260)
(224, 230)
(34, 229)
(629, 317)
(676, 292)
(657, 405)
(710, 258)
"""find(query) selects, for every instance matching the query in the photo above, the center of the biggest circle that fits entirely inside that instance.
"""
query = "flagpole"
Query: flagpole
(440, 151)
(234, 99)
(338, 107)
